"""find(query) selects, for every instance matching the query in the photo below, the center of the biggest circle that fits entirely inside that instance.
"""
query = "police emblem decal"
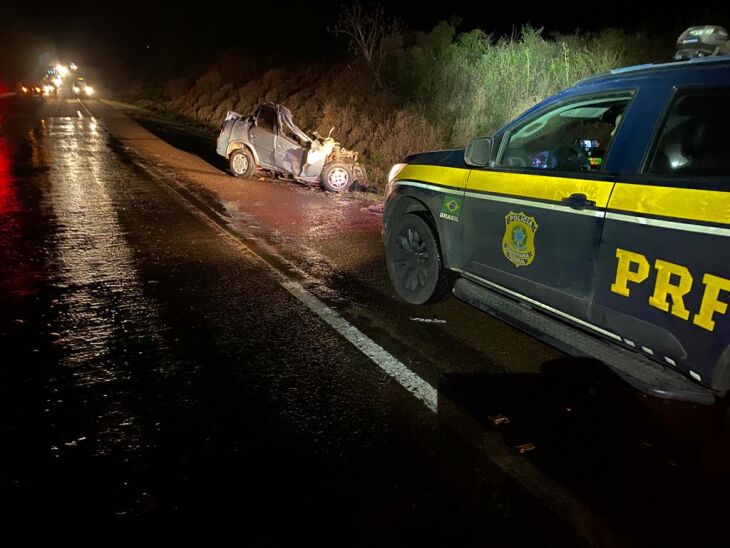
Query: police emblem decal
(518, 242)
(451, 208)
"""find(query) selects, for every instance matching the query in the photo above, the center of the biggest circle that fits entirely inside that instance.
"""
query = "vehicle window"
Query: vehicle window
(570, 137)
(693, 140)
(266, 119)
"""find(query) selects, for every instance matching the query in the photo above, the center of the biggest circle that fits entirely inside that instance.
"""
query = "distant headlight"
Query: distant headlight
(25, 89)
(89, 90)
(76, 89)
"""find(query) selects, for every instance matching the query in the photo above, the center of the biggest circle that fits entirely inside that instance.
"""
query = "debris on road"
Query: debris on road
(498, 419)
(374, 209)
(428, 320)
(525, 447)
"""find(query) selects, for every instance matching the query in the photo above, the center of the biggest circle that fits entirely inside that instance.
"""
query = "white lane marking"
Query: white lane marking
(670, 361)
(409, 380)
(541, 305)
(647, 350)
(695, 376)
(702, 229)
(562, 502)
(383, 359)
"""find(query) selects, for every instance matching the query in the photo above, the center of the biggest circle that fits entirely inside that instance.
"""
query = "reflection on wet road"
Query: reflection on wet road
(103, 315)
(160, 386)
(637, 459)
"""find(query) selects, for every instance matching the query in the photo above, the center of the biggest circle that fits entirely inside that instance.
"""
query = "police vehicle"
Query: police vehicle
(598, 220)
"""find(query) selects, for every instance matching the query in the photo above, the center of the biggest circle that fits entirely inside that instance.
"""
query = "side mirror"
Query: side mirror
(478, 152)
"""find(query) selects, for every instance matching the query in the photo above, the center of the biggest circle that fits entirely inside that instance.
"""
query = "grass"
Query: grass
(440, 88)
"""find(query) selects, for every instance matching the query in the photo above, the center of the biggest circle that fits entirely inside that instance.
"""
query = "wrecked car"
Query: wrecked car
(269, 139)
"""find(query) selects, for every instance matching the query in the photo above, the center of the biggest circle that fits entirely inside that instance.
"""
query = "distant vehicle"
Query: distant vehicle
(269, 139)
(598, 221)
(81, 88)
(49, 90)
(49, 85)
(29, 90)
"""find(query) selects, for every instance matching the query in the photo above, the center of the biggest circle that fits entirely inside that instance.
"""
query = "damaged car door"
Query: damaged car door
(262, 136)
(292, 145)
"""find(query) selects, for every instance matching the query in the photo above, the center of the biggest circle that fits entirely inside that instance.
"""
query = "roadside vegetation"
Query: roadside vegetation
(416, 90)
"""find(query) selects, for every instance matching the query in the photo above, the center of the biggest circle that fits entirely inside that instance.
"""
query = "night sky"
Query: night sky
(164, 35)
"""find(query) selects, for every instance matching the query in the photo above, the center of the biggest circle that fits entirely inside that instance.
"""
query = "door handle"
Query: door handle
(578, 201)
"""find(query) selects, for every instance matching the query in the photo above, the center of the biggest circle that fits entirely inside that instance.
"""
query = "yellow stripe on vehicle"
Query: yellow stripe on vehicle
(447, 176)
(542, 187)
(711, 206)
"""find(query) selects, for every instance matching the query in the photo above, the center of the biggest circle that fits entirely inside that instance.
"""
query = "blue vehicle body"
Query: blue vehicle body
(633, 248)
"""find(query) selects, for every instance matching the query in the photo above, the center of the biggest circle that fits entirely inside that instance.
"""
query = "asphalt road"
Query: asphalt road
(163, 380)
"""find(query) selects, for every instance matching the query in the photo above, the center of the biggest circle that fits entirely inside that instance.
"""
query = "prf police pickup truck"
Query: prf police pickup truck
(598, 221)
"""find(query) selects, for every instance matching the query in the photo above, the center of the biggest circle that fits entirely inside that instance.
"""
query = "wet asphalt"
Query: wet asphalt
(159, 385)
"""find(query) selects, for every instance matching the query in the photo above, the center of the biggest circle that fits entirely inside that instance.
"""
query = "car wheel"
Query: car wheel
(242, 162)
(413, 258)
(337, 176)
